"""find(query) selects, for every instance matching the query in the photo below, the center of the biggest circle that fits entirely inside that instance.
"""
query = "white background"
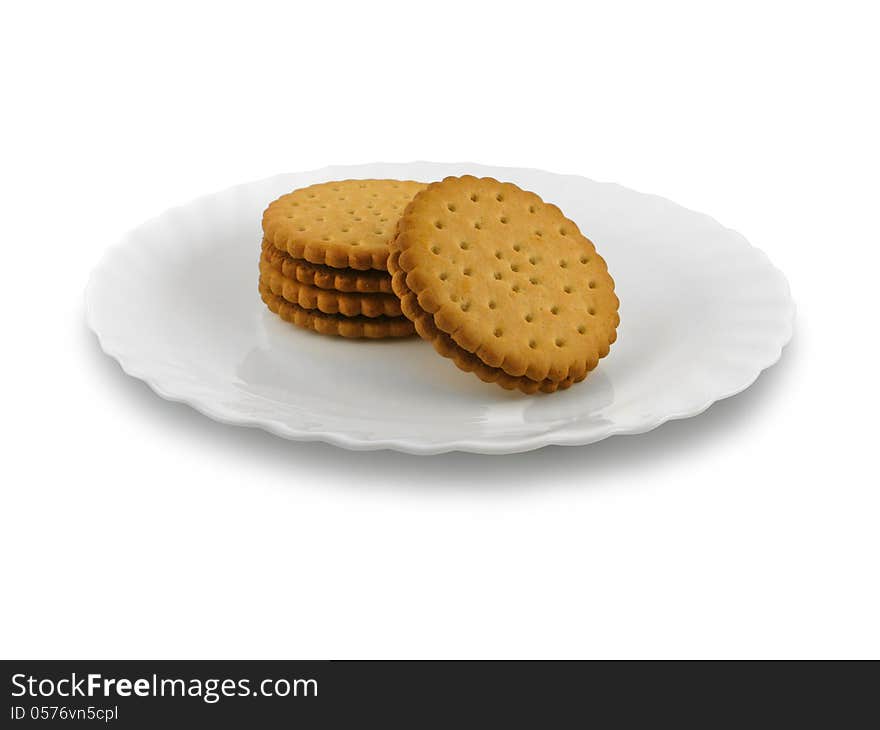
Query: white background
(132, 527)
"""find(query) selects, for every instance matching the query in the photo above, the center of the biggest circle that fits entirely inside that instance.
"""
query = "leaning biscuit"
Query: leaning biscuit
(334, 324)
(343, 224)
(328, 301)
(326, 277)
(508, 279)
(444, 344)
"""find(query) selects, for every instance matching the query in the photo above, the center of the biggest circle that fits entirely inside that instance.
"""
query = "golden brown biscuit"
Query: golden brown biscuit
(508, 278)
(468, 362)
(335, 324)
(326, 300)
(326, 277)
(343, 224)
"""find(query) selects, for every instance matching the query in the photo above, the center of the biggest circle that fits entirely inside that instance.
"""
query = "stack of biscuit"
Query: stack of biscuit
(498, 281)
(324, 260)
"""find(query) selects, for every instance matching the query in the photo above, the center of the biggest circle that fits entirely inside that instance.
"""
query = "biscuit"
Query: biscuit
(334, 324)
(468, 362)
(342, 224)
(508, 279)
(325, 277)
(326, 300)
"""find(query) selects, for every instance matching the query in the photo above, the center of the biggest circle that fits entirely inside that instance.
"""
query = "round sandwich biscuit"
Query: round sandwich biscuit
(335, 324)
(326, 300)
(508, 279)
(326, 277)
(342, 224)
(465, 360)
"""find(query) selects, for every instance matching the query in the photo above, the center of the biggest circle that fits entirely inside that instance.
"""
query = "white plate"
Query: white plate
(176, 303)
